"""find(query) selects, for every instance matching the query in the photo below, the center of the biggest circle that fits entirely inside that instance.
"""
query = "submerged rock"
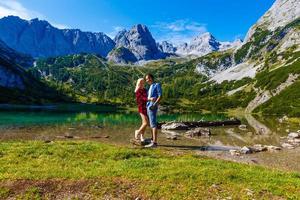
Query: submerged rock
(197, 132)
(254, 149)
(170, 135)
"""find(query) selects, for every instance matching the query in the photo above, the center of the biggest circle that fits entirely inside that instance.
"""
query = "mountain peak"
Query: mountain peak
(280, 14)
(140, 42)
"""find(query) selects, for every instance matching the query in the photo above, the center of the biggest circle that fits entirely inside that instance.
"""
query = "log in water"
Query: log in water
(189, 125)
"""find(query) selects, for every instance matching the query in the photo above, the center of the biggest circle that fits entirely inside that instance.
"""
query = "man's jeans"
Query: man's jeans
(152, 117)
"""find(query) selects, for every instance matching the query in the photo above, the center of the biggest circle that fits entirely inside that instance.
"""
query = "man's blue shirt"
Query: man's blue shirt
(154, 91)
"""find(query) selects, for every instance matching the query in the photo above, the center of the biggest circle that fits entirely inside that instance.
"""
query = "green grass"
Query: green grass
(156, 174)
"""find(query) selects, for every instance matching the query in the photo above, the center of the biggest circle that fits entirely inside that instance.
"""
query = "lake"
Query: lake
(110, 125)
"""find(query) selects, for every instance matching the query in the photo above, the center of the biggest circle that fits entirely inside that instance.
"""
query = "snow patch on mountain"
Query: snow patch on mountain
(237, 72)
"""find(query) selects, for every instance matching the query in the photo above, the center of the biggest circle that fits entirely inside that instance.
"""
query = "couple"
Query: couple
(147, 106)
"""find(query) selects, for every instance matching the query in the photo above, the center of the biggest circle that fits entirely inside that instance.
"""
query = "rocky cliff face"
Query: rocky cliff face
(166, 47)
(39, 39)
(280, 14)
(11, 67)
(140, 42)
(11, 55)
(200, 45)
(204, 44)
(121, 55)
(10, 77)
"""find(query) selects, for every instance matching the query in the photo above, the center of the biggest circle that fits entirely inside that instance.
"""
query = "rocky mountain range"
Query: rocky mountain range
(200, 45)
(38, 38)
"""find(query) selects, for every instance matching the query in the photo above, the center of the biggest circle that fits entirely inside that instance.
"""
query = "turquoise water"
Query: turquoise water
(28, 118)
(22, 122)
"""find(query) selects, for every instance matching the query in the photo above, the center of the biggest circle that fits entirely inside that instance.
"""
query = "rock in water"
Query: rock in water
(197, 132)
(174, 126)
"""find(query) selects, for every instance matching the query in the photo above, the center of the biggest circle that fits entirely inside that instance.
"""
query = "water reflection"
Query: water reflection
(120, 127)
(259, 127)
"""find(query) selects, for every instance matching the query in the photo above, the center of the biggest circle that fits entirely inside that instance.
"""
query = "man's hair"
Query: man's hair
(151, 76)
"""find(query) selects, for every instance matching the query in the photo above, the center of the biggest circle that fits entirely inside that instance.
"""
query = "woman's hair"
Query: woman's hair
(138, 84)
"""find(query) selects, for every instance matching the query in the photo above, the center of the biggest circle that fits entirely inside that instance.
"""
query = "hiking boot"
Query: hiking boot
(151, 145)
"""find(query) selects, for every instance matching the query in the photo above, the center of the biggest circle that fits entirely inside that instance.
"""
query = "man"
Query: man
(154, 97)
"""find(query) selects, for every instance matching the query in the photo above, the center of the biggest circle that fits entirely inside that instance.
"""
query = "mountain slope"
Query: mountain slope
(38, 38)
(11, 55)
(19, 86)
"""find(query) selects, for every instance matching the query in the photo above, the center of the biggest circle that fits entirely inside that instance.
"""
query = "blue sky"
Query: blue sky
(173, 20)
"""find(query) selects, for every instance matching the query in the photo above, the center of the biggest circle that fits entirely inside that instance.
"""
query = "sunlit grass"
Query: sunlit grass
(159, 174)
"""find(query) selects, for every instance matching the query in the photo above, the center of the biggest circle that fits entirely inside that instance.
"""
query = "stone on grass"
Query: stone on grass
(234, 152)
(243, 127)
(272, 148)
(287, 145)
(259, 148)
(246, 150)
(294, 135)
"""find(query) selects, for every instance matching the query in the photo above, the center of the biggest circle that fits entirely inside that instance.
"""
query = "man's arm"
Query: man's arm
(159, 93)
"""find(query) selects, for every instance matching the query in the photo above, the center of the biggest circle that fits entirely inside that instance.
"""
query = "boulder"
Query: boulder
(197, 132)
(174, 126)
(287, 146)
(259, 148)
(293, 135)
(234, 152)
(246, 150)
(171, 135)
(272, 148)
(243, 127)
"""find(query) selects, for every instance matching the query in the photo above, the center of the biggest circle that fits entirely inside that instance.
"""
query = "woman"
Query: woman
(141, 99)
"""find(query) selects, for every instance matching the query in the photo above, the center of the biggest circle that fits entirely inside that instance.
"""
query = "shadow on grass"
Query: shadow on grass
(200, 148)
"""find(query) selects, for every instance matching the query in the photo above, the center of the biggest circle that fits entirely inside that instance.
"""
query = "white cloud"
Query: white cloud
(13, 7)
(178, 31)
(116, 29)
